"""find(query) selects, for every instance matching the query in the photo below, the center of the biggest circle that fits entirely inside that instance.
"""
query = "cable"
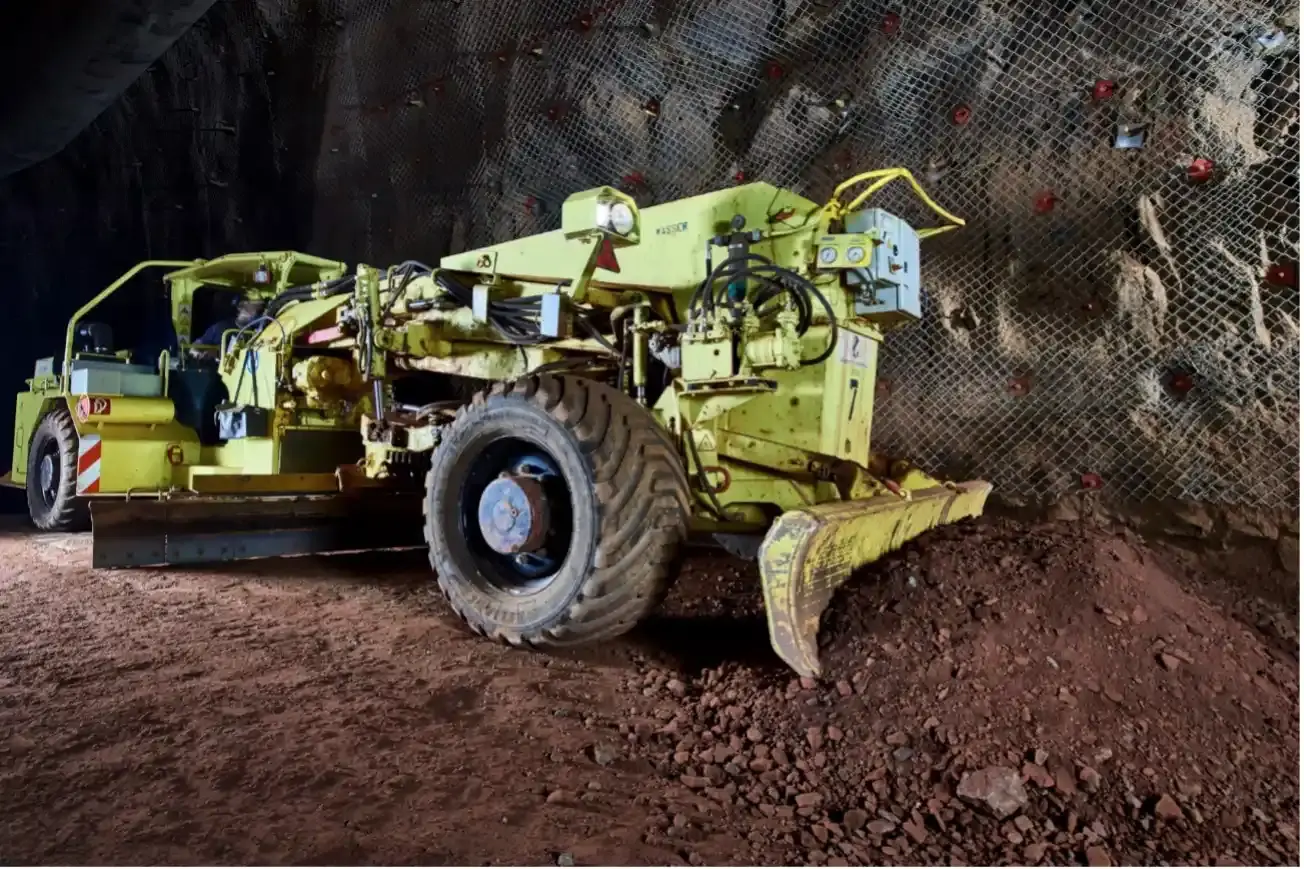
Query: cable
(517, 320)
(409, 269)
(703, 483)
(777, 279)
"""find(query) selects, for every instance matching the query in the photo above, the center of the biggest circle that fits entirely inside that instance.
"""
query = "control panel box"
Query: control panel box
(887, 287)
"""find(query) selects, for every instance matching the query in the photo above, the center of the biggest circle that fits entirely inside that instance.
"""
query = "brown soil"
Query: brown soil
(331, 711)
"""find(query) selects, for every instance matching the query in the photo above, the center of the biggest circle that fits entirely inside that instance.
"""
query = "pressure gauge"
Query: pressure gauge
(855, 255)
(828, 255)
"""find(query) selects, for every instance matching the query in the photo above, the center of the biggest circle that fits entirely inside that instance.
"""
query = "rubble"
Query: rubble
(999, 789)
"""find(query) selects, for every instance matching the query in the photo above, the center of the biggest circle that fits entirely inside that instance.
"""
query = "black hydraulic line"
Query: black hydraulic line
(705, 297)
(702, 481)
(337, 287)
(409, 269)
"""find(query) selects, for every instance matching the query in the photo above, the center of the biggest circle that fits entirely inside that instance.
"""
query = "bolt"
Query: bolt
(1200, 170)
(1181, 383)
(1281, 275)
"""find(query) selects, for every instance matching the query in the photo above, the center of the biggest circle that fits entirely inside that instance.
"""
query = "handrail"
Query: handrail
(65, 373)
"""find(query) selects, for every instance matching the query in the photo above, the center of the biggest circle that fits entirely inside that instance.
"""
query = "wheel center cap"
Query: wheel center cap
(47, 472)
(513, 514)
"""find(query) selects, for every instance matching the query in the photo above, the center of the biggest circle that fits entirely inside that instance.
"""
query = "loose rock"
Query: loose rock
(1098, 856)
(604, 753)
(854, 819)
(1167, 809)
(998, 789)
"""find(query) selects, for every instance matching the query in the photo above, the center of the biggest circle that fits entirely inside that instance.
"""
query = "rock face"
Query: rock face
(1124, 316)
(997, 789)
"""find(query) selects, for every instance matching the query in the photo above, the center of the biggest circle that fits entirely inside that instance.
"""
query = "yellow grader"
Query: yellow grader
(555, 415)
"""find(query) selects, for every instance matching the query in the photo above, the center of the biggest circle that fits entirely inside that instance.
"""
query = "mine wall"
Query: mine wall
(1115, 330)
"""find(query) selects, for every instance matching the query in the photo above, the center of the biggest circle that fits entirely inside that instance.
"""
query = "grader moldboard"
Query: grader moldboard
(703, 366)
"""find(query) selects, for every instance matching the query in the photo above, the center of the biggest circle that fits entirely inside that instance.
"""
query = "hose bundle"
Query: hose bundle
(517, 320)
(775, 281)
(306, 292)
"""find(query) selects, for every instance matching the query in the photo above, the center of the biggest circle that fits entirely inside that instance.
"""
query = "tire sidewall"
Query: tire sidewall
(47, 434)
(472, 594)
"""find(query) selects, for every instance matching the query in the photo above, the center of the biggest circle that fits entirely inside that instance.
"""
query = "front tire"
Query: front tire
(52, 500)
(556, 510)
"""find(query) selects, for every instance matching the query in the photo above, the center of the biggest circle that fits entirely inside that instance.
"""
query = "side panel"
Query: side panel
(136, 458)
(29, 409)
(849, 397)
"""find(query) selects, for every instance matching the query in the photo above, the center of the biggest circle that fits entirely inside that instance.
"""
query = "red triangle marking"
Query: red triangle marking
(607, 257)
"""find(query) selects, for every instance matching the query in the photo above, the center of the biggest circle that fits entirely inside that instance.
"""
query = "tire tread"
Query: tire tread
(644, 506)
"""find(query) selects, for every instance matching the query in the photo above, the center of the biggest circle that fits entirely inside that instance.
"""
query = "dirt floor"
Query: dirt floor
(998, 693)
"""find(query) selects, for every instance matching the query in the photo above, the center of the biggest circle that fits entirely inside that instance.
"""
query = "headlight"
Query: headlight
(616, 216)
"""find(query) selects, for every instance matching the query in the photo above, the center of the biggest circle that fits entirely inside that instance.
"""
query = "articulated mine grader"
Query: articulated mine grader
(556, 414)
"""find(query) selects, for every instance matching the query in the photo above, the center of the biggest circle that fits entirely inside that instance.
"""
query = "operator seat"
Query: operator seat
(196, 389)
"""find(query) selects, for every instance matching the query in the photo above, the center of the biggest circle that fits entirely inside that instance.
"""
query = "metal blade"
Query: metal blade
(810, 552)
(140, 533)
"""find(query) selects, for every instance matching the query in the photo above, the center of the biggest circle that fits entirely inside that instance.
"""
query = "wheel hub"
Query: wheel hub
(47, 473)
(514, 514)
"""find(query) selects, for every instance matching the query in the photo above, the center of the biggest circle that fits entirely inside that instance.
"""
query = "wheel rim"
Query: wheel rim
(515, 511)
(48, 476)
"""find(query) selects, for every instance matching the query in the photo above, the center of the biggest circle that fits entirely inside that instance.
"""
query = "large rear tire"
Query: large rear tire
(556, 511)
(52, 500)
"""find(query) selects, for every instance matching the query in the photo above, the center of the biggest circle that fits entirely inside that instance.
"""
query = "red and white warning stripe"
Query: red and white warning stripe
(88, 465)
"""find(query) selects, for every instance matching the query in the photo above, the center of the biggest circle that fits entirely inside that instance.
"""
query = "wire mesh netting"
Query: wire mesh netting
(1122, 310)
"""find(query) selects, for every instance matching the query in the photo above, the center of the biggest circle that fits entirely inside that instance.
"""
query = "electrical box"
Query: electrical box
(101, 377)
(480, 303)
(553, 321)
(242, 421)
(707, 360)
(887, 288)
